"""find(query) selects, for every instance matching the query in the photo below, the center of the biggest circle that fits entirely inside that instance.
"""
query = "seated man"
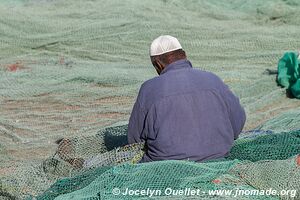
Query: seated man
(184, 113)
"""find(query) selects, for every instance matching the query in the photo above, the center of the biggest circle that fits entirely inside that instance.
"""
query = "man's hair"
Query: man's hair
(172, 56)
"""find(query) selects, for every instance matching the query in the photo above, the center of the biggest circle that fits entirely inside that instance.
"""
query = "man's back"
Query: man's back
(185, 114)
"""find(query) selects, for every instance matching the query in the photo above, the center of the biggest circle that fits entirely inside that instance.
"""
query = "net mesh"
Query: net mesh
(257, 165)
(69, 68)
(256, 162)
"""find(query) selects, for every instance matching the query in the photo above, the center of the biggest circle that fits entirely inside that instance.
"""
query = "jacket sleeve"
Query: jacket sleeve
(236, 112)
(136, 124)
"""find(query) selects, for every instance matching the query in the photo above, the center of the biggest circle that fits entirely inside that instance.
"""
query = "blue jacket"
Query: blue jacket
(185, 114)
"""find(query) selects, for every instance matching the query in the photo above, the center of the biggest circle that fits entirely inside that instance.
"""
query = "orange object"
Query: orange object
(298, 160)
(216, 181)
(14, 67)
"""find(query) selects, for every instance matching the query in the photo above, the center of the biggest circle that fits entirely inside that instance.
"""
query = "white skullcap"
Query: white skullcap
(164, 44)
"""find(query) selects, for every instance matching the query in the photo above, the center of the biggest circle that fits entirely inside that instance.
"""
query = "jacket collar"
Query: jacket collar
(179, 64)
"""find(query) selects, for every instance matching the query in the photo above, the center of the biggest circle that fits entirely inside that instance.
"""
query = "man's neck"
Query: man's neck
(182, 63)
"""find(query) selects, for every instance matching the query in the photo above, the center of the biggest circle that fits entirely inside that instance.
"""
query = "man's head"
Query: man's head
(165, 50)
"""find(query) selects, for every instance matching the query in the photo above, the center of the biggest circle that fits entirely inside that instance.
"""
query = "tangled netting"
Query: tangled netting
(259, 160)
(69, 68)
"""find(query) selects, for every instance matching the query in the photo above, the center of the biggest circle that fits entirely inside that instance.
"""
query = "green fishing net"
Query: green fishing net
(72, 69)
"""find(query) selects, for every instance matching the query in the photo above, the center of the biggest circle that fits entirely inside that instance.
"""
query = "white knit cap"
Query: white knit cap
(164, 44)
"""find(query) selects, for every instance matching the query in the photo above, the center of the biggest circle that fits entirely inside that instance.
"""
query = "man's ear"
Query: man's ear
(184, 54)
(159, 66)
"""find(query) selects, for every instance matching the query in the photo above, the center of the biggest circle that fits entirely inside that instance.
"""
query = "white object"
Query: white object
(164, 44)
